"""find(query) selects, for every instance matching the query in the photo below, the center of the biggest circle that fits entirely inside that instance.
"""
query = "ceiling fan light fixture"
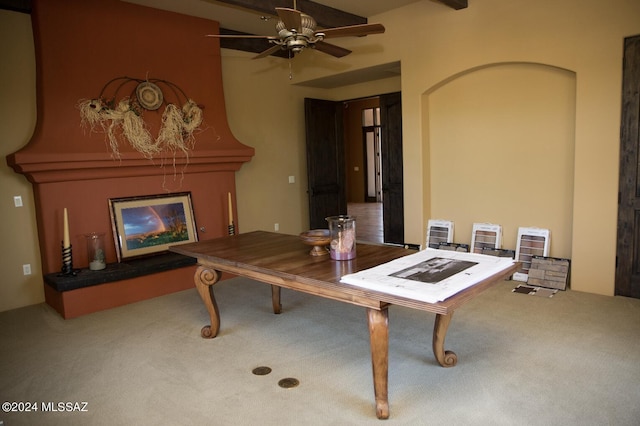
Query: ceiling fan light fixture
(307, 25)
(296, 39)
(297, 44)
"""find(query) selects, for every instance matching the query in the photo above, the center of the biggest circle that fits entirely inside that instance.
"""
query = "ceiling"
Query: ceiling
(243, 19)
(248, 16)
(259, 17)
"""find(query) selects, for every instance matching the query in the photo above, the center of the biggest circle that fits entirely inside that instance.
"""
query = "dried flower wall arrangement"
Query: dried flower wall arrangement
(124, 122)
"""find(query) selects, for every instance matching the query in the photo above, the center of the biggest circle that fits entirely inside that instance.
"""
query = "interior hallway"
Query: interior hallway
(369, 223)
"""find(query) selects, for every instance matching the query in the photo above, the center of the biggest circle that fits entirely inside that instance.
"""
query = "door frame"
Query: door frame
(627, 281)
(393, 219)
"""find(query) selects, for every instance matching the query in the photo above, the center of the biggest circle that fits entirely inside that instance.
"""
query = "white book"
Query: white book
(429, 275)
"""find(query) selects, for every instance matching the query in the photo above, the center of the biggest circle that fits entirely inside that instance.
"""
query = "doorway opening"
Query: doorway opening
(354, 164)
(372, 154)
(364, 167)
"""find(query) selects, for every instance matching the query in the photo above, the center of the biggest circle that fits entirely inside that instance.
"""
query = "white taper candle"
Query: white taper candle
(65, 235)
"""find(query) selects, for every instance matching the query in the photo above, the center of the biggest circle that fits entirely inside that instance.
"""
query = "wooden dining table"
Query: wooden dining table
(284, 261)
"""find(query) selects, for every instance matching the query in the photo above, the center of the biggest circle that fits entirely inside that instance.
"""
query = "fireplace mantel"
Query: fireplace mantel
(48, 168)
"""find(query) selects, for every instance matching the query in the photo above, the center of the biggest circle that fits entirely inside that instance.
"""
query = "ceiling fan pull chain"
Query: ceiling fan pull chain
(290, 71)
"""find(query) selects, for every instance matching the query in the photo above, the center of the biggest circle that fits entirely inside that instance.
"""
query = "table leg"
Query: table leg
(275, 299)
(379, 337)
(204, 279)
(445, 358)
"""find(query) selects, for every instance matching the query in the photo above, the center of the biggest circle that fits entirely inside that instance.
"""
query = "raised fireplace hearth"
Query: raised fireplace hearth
(79, 46)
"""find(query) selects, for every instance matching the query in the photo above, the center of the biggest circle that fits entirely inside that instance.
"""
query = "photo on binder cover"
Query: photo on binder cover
(485, 235)
(531, 242)
(434, 270)
(439, 231)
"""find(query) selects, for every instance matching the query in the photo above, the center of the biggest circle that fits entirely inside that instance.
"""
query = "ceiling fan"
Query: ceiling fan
(297, 31)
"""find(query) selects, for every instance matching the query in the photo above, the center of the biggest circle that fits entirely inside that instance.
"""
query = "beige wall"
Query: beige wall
(434, 44)
(264, 113)
(17, 121)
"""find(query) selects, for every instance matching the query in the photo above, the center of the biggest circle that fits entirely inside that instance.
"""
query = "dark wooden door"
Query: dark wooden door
(325, 160)
(628, 250)
(392, 175)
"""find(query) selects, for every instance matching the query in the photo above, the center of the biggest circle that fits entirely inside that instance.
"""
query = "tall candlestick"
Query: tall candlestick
(65, 239)
(230, 211)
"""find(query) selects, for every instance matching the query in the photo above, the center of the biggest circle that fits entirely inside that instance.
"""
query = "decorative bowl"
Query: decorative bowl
(149, 96)
(319, 239)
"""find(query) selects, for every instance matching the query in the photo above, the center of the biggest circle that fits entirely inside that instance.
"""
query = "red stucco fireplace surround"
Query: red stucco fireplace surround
(80, 46)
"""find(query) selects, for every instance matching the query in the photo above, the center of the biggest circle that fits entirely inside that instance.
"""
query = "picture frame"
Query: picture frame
(147, 225)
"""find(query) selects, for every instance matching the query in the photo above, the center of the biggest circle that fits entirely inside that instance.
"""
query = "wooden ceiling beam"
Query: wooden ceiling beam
(456, 4)
(23, 6)
(255, 45)
(325, 16)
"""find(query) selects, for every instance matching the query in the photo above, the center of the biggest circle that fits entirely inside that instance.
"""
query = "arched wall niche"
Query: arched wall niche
(498, 147)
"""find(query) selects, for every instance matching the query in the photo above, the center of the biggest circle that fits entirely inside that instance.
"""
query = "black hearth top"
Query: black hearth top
(119, 271)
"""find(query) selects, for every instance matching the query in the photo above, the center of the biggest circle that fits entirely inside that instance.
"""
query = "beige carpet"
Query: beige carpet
(522, 360)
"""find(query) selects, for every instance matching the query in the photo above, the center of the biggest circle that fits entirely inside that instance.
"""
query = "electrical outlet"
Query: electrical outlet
(276, 226)
(17, 200)
(26, 269)
(292, 179)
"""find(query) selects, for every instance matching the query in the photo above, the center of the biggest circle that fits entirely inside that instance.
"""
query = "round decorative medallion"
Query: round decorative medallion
(149, 95)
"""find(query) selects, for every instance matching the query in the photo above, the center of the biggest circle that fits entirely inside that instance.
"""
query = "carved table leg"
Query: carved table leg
(379, 337)
(445, 358)
(204, 279)
(275, 299)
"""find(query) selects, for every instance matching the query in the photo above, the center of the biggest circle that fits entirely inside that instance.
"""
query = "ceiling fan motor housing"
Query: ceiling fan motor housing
(297, 39)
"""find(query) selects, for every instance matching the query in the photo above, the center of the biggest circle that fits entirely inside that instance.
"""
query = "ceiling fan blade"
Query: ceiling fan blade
(269, 51)
(240, 36)
(353, 30)
(291, 18)
(331, 49)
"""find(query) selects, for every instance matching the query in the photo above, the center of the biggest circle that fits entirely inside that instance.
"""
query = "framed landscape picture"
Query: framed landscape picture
(151, 224)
